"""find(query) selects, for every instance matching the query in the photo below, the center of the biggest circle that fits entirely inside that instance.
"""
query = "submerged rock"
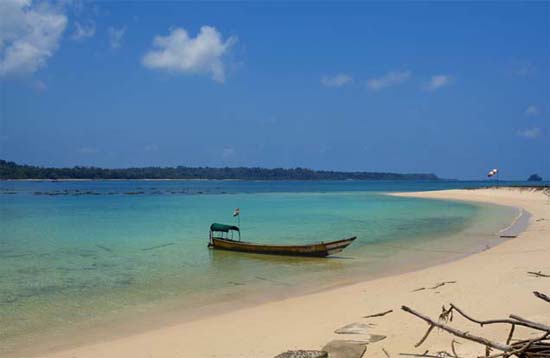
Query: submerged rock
(303, 354)
(345, 349)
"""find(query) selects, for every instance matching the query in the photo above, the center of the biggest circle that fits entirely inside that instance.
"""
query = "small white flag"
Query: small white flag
(236, 212)
(492, 172)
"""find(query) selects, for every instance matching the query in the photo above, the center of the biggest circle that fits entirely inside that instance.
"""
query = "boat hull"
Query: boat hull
(321, 249)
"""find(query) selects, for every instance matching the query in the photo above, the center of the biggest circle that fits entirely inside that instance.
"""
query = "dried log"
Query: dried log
(386, 352)
(542, 296)
(378, 314)
(538, 274)
(513, 321)
(528, 323)
(458, 333)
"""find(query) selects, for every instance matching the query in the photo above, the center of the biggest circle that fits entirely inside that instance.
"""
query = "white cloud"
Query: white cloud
(151, 148)
(336, 81)
(438, 81)
(525, 69)
(179, 53)
(532, 111)
(39, 86)
(83, 31)
(228, 152)
(87, 150)
(115, 36)
(390, 79)
(29, 35)
(530, 132)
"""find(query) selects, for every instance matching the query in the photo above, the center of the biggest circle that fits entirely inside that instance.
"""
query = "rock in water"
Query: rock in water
(345, 349)
(303, 354)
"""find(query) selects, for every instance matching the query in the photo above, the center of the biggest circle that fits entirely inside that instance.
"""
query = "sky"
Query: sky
(454, 89)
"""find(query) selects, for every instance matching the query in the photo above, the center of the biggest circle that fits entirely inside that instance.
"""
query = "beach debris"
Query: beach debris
(345, 348)
(303, 354)
(436, 286)
(538, 274)
(508, 236)
(360, 328)
(542, 296)
(440, 354)
(158, 246)
(378, 314)
(528, 348)
(236, 283)
(386, 352)
(354, 328)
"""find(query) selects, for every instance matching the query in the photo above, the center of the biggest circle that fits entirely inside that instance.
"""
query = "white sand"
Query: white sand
(491, 284)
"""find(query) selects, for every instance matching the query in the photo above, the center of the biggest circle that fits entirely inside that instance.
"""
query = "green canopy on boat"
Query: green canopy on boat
(223, 227)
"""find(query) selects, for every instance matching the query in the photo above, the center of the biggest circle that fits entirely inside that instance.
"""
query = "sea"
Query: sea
(84, 255)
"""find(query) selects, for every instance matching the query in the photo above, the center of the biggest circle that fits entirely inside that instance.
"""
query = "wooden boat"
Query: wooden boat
(321, 249)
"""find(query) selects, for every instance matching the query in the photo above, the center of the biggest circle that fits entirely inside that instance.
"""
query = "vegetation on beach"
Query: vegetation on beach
(11, 170)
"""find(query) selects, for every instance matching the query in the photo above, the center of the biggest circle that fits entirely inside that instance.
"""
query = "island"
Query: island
(12, 170)
(534, 177)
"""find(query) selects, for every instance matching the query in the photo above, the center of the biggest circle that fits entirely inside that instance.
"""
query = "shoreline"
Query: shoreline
(108, 347)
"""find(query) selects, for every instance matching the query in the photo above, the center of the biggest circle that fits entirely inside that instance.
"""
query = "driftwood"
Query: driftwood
(538, 274)
(378, 314)
(437, 285)
(542, 296)
(538, 347)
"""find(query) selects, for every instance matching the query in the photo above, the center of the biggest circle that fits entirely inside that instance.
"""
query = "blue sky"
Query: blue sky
(450, 88)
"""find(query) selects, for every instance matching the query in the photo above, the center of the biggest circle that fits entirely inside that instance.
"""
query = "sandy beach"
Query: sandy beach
(490, 284)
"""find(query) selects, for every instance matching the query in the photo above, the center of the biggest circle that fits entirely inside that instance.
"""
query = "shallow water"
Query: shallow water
(80, 253)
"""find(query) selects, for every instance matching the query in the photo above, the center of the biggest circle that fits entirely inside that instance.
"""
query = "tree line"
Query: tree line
(12, 170)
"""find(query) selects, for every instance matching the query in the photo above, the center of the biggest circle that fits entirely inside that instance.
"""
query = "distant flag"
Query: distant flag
(492, 173)
(236, 212)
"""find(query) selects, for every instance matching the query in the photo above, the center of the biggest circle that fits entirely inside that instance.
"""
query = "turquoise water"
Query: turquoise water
(77, 254)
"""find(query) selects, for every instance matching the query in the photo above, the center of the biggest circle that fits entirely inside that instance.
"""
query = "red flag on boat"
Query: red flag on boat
(236, 212)
(492, 173)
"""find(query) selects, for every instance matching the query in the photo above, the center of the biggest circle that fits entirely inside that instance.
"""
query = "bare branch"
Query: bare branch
(458, 333)
(425, 336)
(378, 314)
(542, 296)
(538, 274)
(534, 325)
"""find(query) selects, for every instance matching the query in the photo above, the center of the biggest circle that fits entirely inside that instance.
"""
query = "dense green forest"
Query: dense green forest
(11, 170)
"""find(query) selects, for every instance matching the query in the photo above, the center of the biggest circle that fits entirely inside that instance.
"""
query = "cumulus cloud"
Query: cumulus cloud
(116, 36)
(29, 35)
(182, 54)
(338, 80)
(438, 81)
(530, 132)
(390, 79)
(82, 31)
(532, 111)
